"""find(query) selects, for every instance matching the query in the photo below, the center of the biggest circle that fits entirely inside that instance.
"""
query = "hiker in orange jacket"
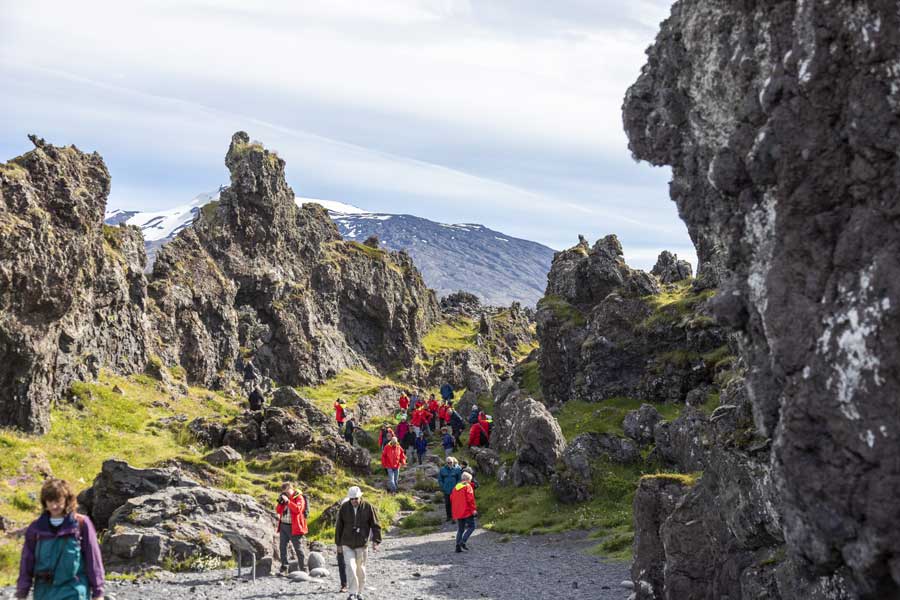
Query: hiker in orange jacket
(292, 510)
(464, 510)
(392, 458)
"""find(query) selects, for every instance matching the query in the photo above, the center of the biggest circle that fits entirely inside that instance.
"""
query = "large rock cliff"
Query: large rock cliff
(780, 121)
(259, 276)
(608, 330)
(72, 289)
(255, 276)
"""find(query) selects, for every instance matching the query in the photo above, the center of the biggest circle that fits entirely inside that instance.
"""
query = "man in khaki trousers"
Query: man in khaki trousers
(357, 521)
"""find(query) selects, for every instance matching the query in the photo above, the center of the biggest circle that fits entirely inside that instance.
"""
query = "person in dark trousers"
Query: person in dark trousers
(357, 521)
(349, 428)
(408, 440)
(447, 442)
(292, 511)
(458, 425)
(340, 413)
(464, 509)
(447, 392)
(342, 566)
(448, 477)
(256, 399)
(60, 556)
(421, 447)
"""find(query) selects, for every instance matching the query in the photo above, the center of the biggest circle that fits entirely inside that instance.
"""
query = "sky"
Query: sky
(505, 113)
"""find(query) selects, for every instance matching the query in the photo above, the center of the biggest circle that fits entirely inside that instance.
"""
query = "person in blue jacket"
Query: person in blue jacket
(421, 447)
(447, 392)
(448, 477)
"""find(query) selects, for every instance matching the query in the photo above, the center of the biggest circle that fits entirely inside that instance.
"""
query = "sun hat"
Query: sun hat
(354, 492)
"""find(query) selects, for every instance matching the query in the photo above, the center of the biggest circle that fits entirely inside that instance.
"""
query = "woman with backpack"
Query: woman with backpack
(61, 556)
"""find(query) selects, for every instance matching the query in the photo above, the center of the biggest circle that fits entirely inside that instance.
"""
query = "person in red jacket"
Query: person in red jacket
(433, 407)
(292, 510)
(340, 415)
(444, 414)
(417, 401)
(392, 458)
(419, 420)
(464, 510)
(403, 402)
(478, 435)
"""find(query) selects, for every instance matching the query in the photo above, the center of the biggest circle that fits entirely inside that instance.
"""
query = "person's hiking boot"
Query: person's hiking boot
(464, 547)
(458, 548)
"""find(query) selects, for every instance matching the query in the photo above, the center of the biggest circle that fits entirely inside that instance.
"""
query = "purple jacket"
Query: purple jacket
(90, 551)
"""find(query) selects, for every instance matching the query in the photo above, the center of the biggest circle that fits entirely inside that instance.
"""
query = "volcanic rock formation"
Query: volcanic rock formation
(780, 122)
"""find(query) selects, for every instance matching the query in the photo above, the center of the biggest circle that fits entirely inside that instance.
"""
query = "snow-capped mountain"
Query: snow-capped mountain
(497, 267)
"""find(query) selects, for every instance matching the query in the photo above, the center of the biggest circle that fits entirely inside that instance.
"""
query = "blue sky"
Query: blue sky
(505, 113)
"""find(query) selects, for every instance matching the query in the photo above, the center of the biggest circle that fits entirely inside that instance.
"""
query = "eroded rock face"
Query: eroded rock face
(118, 481)
(669, 269)
(780, 122)
(178, 523)
(257, 272)
(602, 335)
(72, 291)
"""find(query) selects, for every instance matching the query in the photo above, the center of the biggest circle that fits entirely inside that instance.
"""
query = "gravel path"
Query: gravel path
(425, 567)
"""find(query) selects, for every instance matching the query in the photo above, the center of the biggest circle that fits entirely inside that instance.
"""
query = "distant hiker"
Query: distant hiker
(443, 414)
(421, 447)
(458, 425)
(339, 413)
(464, 510)
(467, 469)
(402, 429)
(432, 404)
(357, 520)
(478, 435)
(408, 440)
(403, 402)
(392, 458)
(473, 414)
(417, 402)
(448, 477)
(385, 435)
(61, 554)
(447, 442)
(256, 399)
(447, 392)
(349, 428)
(419, 420)
(486, 422)
(434, 408)
(293, 511)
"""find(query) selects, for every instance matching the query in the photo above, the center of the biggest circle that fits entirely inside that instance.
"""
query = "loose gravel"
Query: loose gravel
(425, 567)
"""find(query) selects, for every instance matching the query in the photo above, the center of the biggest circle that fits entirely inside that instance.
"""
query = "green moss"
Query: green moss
(13, 170)
(530, 379)
(577, 417)
(449, 336)
(208, 210)
(677, 304)
(566, 313)
(687, 479)
(112, 236)
(349, 385)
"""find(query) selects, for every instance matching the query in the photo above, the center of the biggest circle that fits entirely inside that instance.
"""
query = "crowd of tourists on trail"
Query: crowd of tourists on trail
(61, 556)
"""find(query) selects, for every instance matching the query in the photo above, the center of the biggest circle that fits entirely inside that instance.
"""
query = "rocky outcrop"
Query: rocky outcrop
(118, 481)
(604, 331)
(184, 524)
(639, 424)
(573, 477)
(654, 502)
(257, 272)
(779, 122)
(525, 426)
(72, 290)
(669, 269)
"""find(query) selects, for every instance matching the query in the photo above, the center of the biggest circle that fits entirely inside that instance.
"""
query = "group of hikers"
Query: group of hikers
(61, 555)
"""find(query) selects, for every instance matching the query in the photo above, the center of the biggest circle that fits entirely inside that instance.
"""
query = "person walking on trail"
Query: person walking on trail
(385, 435)
(60, 556)
(402, 429)
(339, 413)
(443, 414)
(478, 435)
(447, 392)
(256, 399)
(392, 458)
(357, 521)
(447, 442)
(473, 414)
(403, 401)
(293, 511)
(419, 420)
(434, 408)
(448, 477)
(458, 425)
(467, 469)
(408, 440)
(342, 566)
(417, 401)
(464, 510)
(349, 428)
(421, 447)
